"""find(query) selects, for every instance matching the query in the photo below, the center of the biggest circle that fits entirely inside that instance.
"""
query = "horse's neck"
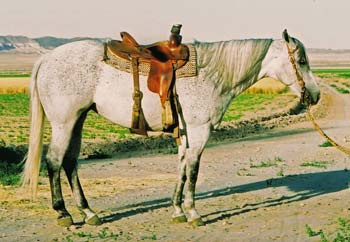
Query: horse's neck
(232, 67)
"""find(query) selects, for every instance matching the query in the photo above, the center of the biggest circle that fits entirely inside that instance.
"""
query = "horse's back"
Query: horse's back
(67, 77)
(71, 65)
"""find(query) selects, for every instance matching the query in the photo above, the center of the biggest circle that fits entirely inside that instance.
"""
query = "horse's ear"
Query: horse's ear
(286, 36)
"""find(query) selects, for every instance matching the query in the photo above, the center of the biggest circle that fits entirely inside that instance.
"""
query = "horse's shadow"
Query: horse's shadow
(303, 186)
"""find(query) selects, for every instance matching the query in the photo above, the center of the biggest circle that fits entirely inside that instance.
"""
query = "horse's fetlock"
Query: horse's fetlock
(58, 205)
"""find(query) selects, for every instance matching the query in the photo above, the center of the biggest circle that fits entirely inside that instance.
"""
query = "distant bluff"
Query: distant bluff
(23, 44)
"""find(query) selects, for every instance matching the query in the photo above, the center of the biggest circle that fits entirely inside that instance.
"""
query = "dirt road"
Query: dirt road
(253, 189)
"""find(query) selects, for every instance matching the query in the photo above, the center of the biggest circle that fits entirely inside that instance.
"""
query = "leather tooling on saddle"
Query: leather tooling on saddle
(163, 62)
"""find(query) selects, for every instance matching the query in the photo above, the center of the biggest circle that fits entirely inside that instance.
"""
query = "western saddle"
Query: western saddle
(165, 57)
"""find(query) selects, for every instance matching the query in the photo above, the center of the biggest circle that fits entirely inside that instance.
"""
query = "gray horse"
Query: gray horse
(72, 79)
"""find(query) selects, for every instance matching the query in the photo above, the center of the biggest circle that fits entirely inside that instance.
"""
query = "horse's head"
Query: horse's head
(286, 61)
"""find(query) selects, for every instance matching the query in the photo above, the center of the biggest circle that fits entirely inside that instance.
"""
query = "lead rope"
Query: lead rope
(309, 114)
(322, 133)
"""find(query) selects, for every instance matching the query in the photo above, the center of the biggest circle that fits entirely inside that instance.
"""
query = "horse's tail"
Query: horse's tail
(32, 165)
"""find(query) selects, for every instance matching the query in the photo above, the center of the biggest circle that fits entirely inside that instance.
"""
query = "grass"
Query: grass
(346, 84)
(341, 234)
(263, 164)
(10, 174)
(247, 102)
(339, 76)
(268, 163)
(326, 144)
(14, 105)
(317, 164)
(244, 174)
(342, 90)
(14, 114)
(280, 173)
(14, 128)
(340, 73)
(311, 233)
(105, 234)
(343, 231)
(14, 74)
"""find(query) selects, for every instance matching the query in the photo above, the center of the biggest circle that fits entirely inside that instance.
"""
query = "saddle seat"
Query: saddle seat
(164, 57)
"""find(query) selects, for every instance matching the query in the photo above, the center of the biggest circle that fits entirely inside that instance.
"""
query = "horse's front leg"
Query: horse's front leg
(179, 215)
(197, 138)
(192, 167)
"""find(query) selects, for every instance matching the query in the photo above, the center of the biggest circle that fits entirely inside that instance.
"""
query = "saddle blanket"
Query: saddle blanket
(188, 70)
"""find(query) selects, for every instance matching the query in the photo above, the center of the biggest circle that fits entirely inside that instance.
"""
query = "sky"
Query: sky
(316, 23)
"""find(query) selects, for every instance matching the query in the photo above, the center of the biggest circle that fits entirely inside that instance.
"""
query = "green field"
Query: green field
(14, 74)
(14, 126)
(247, 102)
(14, 114)
(339, 79)
(337, 73)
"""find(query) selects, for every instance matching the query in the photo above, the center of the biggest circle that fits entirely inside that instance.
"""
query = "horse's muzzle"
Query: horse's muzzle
(310, 99)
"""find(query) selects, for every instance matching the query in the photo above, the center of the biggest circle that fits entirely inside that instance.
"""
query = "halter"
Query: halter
(297, 74)
(302, 100)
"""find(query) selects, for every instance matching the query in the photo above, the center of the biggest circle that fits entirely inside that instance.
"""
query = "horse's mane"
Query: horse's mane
(232, 63)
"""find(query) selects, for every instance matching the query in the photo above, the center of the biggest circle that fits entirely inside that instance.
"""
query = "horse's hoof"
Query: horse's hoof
(179, 219)
(94, 220)
(65, 221)
(196, 222)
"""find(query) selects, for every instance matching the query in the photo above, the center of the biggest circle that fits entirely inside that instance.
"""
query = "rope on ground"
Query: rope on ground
(322, 133)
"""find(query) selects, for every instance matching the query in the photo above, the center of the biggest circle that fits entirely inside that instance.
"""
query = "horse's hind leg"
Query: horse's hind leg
(70, 167)
(61, 134)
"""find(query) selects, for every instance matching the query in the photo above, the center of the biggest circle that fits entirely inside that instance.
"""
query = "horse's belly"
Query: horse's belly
(114, 100)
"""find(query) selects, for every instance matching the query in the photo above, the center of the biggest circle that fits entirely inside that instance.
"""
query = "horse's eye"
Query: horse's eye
(302, 62)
